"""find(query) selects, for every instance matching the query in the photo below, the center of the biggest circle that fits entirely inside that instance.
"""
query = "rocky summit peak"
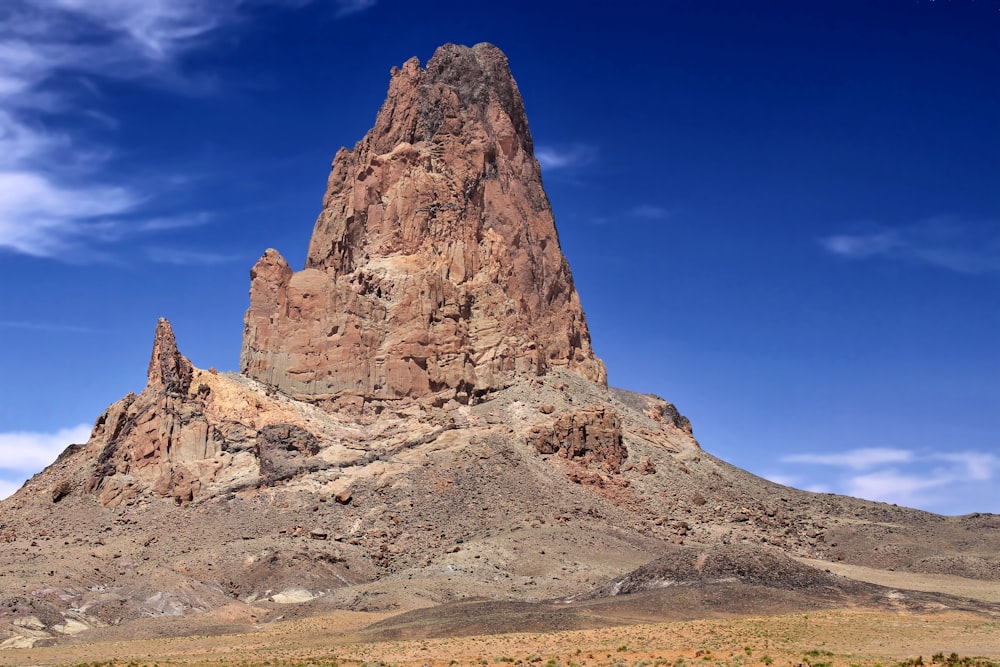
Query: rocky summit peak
(434, 271)
(169, 370)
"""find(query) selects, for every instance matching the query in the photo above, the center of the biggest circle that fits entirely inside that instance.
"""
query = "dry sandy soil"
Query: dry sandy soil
(987, 591)
(834, 638)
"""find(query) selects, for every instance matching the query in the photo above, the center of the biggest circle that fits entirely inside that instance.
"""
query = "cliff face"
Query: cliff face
(434, 271)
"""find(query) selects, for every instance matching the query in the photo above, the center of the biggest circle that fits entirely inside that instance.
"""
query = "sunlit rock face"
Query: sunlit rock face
(434, 271)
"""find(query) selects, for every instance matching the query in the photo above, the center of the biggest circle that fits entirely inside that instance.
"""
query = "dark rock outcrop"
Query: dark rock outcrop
(591, 435)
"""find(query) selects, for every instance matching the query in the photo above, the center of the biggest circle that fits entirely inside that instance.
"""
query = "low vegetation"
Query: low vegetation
(829, 639)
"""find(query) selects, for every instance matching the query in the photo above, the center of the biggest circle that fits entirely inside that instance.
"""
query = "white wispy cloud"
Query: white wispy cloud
(565, 157)
(184, 257)
(785, 479)
(859, 459)
(42, 217)
(944, 242)
(44, 326)
(8, 487)
(23, 453)
(56, 195)
(53, 197)
(349, 7)
(896, 486)
(173, 222)
(978, 466)
(925, 480)
(650, 212)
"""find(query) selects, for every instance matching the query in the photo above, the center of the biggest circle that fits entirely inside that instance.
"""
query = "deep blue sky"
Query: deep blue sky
(782, 216)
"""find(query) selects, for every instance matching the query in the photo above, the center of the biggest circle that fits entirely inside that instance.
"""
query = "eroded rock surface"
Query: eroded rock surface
(592, 435)
(160, 438)
(193, 433)
(434, 271)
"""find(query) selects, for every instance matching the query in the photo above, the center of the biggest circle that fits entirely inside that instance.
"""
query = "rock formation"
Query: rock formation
(434, 271)
(592, 434)
(159, 439)
(484, 455)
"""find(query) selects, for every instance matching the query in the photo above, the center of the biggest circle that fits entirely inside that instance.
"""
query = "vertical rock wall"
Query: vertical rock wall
(434, 270)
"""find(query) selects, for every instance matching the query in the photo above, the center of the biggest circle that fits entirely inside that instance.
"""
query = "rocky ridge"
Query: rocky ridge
(420, 418)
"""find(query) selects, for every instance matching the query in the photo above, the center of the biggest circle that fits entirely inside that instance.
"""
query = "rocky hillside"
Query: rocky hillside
(419, 419)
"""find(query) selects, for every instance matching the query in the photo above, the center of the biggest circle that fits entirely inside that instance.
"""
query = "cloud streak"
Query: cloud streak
(44, 326)
(650, 212)
(942, 242)
(56, 196)
(8, 487)
(925, 480)
(23, 453)
(351, 7)
(183, 257)
(858, 459)
(50, 205)
(565, 157)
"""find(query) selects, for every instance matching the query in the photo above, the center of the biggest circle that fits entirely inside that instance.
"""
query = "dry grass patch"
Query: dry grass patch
(827, 639)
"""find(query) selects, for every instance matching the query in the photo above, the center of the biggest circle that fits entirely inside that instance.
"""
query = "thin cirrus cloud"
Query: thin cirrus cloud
(925, 480)
(23, 453)
(565, 157)
(45, 326)
(651, 212)
(185, 257)
(57, 194)
(349, 7)
(858, 459)
(943, 242)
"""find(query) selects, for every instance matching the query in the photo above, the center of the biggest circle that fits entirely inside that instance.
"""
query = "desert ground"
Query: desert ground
(840, 638)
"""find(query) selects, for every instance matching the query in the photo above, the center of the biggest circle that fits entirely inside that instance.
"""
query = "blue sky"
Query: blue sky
(783, 216)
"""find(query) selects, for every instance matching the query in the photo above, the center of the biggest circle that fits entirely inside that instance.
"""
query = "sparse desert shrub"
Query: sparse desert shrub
(955, 660)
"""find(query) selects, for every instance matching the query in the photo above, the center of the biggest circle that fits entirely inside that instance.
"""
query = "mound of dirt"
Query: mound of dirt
(750, 565)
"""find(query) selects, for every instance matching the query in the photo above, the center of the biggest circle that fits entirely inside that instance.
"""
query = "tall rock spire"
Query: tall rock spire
(434, 270)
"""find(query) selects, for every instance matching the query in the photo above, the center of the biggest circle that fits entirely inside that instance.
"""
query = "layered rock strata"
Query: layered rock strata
(434, 270)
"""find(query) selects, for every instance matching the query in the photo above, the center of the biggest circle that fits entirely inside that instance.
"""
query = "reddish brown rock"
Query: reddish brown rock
(159, 439)
(169, 370)
(434, 270)
(646, 466)
(592, 435)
